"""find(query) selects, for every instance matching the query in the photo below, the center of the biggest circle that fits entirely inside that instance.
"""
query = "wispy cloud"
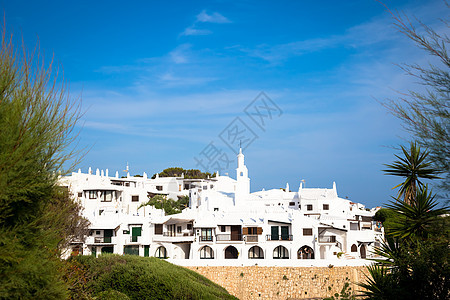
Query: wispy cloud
(179, 54)
(367, 34)
(204, 17)
(191, 30)
(215, 17)
(172, 80)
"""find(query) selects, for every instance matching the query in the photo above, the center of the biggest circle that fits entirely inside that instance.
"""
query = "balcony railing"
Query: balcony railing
(251, 238)
(327, 239)
(228, 237)
(282, 237)
(206, 238)
(178, 234)
(102, 240)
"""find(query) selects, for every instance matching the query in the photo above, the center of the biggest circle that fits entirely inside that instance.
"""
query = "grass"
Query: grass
(133, 277)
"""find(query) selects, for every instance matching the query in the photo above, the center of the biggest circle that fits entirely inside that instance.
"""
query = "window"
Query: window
(131, 250)
(107, 196)
(135, 198)
(92, 194)
(309, 207)
(242, 173)
(97, 232)
(178, 229)
(255, 252)
(291, 203)
(280, 252)
(354, 248)
(326, 207)
(206, 253)
(158, 228)
(205, 187)
(223, 228)
(186, 186)
(179, 187)
(252, 230)
(215, 208)
(80, 194)
(206, 235)
(159, 188)
(161, 252)
(353, 226)
(307, 231)
(189, 226)
(211, 186)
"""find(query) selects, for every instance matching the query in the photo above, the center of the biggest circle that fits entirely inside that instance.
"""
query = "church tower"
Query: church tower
(243, 182)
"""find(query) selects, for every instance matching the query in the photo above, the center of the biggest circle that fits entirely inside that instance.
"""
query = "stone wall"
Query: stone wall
(283, 282)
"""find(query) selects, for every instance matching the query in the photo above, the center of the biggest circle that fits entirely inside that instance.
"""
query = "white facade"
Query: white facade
(224, 224)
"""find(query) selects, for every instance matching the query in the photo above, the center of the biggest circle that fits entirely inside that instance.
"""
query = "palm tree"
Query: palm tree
(413, 167)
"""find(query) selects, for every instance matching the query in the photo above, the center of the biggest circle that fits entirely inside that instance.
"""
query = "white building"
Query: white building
(224, 224)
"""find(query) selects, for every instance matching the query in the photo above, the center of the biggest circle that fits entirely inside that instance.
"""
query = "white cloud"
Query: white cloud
(179, 54)
(215, 17)
(191, 30)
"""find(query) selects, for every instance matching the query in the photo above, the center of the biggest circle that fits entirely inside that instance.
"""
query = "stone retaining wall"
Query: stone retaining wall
(283, 282)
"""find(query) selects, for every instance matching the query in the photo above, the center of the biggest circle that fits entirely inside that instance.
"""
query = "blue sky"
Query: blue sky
(165, 83)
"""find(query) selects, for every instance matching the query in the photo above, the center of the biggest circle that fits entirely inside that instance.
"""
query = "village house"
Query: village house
(224, 223)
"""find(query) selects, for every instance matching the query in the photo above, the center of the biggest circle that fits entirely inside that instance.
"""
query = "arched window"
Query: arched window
(280, 252)
(305, 252)
(206, 253)
(161, 252)
(255, 252)
(231, 253)
(354, 248)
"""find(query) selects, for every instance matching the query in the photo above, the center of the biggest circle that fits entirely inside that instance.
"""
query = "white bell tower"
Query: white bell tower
(243, 182)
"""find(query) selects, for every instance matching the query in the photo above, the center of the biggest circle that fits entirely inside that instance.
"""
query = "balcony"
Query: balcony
(283, 237)
(173, 234)
(100, 240)
(174, 237)
(228, 237)
(206, 238)
(327, 239)
(251, 238)
(134, 239)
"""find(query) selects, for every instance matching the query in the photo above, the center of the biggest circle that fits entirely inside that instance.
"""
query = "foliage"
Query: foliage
(37, 119)
(413, 260)
(170, 206)
(413, 167)
(426, 114)
(188, 174)
(141, 278)
(416, 219)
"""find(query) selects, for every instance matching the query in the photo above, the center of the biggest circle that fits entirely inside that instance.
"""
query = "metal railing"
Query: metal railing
(206, 238)
(102, 240)
(178, 234)
(327, 239)
(279, 237)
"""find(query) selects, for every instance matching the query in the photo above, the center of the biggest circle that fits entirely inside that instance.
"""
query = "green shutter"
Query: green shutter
(136, 231)
(284, 233)
(146, 250)
(274, 233)
(107, 235)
